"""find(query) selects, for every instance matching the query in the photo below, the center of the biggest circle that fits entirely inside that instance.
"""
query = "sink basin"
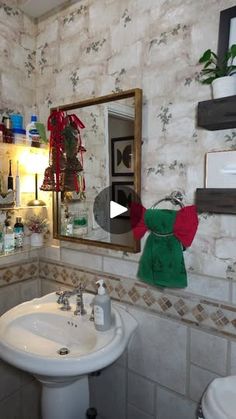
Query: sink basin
(61, 348)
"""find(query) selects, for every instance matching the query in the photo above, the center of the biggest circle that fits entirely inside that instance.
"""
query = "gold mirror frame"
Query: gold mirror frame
(136, 94)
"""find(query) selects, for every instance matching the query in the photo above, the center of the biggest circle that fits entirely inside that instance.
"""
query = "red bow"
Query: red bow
(185, 226)
(57, 122)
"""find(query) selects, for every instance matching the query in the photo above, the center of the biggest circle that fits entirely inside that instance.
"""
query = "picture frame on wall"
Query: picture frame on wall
(122, 156)
(227, 32)
(123, 193)
(220, 169)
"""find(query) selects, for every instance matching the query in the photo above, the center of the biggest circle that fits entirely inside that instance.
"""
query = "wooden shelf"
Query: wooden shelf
(217, 114)
(216, 200)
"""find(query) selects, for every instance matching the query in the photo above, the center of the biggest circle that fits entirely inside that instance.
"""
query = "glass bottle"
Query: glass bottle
(9, 238)
(19, 233)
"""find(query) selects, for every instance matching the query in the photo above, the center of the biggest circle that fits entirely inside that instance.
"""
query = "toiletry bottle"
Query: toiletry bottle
(17, 185)
(2, 186)
(10, 178)
(68, 224)
(32, 133)
(8, 134)
(9, 238)
(1, 239)
(19, 233)
(102, 308)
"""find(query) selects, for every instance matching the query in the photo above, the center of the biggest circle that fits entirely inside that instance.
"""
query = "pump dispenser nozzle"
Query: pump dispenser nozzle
(101, 287)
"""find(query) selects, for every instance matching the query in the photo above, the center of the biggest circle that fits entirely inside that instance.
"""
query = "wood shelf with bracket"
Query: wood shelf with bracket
(217, 200)
(217, 114)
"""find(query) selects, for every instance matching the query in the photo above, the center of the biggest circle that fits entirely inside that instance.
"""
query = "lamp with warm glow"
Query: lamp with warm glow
(36, 202)
(34, 161)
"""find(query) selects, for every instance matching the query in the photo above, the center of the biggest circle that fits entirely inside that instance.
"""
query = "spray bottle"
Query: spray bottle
(102, 308)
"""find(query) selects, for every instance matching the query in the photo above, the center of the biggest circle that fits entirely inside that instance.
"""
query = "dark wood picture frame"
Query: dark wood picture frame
(115, 142)
(115, 188)
(224, 32)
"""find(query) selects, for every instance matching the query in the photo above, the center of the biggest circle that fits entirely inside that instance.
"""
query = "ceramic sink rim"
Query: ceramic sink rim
(112, 343)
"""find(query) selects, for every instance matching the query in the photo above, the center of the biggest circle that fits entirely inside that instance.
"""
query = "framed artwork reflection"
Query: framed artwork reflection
(122, 156)
(123, 193)
(227, 31)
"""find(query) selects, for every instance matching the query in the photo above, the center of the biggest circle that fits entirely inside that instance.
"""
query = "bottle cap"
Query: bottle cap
(101, 287)
(33, 118)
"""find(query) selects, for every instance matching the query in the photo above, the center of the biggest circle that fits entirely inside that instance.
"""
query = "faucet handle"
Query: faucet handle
(81, 286)
(60, 294)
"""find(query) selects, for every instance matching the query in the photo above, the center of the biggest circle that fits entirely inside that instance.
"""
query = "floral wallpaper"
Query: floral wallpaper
(94, 48)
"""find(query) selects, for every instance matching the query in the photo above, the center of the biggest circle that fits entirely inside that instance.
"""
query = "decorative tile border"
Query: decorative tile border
(189, 309)
(19, 271)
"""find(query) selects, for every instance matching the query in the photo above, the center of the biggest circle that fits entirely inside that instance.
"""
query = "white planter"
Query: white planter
(36, 239)
(224, 86)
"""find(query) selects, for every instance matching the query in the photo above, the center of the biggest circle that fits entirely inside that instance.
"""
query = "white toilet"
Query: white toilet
(219, 400)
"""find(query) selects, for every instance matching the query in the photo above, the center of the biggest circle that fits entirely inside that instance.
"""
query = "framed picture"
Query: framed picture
(122, 156)
(227, 31)
(123, 193)
(220, 169)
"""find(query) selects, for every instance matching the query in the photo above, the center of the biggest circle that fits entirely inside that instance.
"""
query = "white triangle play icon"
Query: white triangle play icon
(116, 209)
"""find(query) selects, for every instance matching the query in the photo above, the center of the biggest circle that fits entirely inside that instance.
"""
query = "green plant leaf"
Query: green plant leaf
(206, 56)
(42, 132)
(209, 80)
(233, 50)
(208, 70)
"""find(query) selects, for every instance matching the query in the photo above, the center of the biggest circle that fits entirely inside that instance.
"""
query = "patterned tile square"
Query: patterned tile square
(149, 298)
(200, 313)
(120, 290)
(134, 295)
(219, 318)
(181, 307)
(164, 303)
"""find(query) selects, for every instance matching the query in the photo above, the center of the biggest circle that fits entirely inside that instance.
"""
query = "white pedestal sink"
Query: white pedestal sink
(61, 349)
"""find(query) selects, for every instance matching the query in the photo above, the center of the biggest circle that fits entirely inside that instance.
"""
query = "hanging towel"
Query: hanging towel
(162, 261)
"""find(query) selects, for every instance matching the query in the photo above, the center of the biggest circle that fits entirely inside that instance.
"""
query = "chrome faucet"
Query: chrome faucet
(63, 298)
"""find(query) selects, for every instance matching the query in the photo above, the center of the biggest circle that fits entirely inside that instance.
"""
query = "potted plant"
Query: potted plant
(219, 75)
(37, 225)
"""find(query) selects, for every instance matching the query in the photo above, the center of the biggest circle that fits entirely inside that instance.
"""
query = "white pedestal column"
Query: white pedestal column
(65, 400)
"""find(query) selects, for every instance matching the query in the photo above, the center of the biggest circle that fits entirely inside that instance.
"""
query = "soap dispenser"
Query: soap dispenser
(102, 308)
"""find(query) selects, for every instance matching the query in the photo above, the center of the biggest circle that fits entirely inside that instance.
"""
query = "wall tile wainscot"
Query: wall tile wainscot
(185, 337)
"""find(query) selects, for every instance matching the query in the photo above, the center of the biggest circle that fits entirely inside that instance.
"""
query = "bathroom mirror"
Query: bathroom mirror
(111, 170)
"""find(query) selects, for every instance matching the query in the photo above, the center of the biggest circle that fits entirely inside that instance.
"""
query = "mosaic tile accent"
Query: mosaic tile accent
(200, 313)
(189, 309)
(134, 295)
(149, 298)
(219, 318)
(19, 271)
(181, 307)
(164, 303)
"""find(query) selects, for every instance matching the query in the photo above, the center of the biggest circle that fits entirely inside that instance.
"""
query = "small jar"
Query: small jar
(80, 223)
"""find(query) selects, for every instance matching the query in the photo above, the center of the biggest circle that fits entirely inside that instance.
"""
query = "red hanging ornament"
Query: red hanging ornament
(66, 153)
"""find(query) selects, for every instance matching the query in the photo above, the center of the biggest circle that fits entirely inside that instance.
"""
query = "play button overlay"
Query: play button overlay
(116, 209)
(111, 207)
